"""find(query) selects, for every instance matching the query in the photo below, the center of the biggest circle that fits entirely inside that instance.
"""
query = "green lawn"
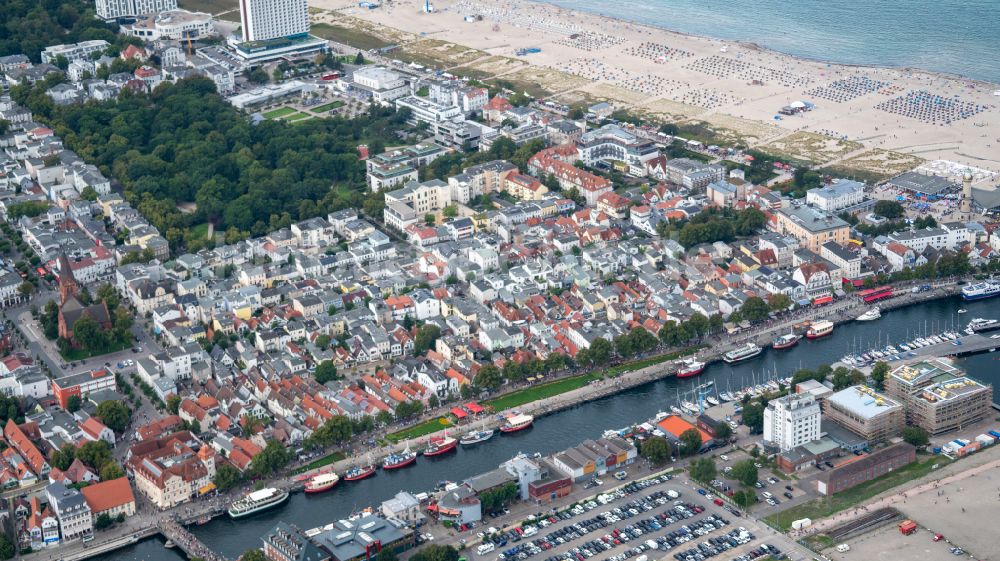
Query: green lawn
(423, 429)
(549, 389)
(823, 507)
(279, 112)
(81, 354)
(297, 117)
(200, 231)
(328, 106)
(353, 37)
(542, 391)
(318, 463)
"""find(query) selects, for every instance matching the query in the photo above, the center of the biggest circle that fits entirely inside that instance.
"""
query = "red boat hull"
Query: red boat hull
(817, 336)
(443, 449)
(402, 464)
(326, 487)
(509, 429)
(367, 473)
(690, 373)
(786, 345)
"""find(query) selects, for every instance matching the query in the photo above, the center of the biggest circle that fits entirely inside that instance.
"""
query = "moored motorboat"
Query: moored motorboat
(785, 341)
(870, 315)
(476, 437)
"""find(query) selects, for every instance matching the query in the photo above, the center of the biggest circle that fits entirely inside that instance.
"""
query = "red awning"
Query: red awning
(822, 300)
(459, 413)
(473, 408)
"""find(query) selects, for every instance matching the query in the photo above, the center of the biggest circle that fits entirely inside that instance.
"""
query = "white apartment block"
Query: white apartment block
(791, 421)
(837, 196)
(112, 9)
(950, 235)
(270, 19)
(404, 206)
(74, 51)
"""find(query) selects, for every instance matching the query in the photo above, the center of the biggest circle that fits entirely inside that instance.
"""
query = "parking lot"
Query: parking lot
(773, 493)
(660, 518)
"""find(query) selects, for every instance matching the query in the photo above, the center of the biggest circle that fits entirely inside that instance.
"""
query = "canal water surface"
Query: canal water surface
(565, 428)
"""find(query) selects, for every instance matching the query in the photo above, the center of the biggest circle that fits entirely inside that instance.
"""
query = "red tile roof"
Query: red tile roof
(107, 495)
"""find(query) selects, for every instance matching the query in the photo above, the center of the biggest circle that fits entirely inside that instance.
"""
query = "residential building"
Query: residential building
(114, 9)
(72, 511)
(74, 51)
(837, 196)
(553, 161)
(865, 412)
(611, 143)
(791, 421)
(112, 497)
(938, 396)
(811, 226)
(171, 469)
(849, 262)
(692, 173)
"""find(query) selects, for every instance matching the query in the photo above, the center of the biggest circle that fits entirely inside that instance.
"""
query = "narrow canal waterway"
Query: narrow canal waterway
(570, 426)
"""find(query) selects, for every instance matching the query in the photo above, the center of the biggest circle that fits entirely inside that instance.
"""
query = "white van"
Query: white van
(843, 548)
(485, 548)
(767, 495)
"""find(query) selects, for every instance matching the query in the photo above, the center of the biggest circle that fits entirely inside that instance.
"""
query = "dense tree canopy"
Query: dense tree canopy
(656, 449)
(28, 26)
(185, 144)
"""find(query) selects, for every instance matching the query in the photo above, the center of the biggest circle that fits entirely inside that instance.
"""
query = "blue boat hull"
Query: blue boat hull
(968, 298)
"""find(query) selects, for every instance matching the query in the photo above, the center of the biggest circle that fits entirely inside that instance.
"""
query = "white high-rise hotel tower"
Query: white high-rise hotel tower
(272, 19)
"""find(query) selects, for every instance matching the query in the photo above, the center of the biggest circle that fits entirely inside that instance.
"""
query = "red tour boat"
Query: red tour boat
(322, 482)
(516, 422)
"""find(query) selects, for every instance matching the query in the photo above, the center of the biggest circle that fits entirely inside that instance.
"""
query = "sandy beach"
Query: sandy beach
(870, 117)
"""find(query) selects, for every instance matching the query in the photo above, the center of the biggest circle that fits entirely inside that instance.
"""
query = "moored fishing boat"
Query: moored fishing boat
(440, 445)
(360, 472)
(690, 367)
(476, 437)
(400, 460)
